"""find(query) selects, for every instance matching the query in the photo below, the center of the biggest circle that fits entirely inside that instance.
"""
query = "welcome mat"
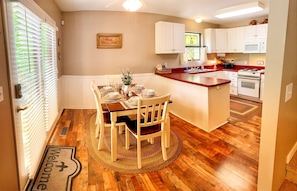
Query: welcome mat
(58, 167)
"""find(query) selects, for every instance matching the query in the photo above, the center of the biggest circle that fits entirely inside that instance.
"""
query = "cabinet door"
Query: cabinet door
(233, 84)
(221, 40)
(216, 40)
(255, 32)
(239, 44)
(262, 31)
(178, 37)
(250, 32)
(236, 39)
(209, 40)
(169, 38)
(231, 40)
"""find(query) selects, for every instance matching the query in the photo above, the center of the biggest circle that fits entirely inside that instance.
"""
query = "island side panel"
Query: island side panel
(192, 102)
(219, 106)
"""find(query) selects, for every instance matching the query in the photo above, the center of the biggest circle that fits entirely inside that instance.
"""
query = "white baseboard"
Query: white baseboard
(291, 153)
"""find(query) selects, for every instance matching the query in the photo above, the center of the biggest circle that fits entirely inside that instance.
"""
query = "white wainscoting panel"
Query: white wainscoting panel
(75, 92)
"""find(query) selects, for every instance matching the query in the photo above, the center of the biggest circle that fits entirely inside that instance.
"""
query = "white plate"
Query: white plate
(113, 96)
(148, 93)
(106, 89)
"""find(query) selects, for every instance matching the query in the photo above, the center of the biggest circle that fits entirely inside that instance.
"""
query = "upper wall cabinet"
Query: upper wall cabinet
(216, 40)
(236, 39)
(255, 32)
(169, 38)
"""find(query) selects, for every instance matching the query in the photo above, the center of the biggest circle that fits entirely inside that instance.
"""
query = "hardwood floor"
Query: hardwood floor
(225, 159)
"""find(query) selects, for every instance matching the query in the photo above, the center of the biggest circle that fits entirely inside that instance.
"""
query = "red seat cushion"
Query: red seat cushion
(132, 125)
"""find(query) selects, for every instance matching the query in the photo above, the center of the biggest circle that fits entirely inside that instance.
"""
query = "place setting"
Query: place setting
(113, 96)
(142, 93)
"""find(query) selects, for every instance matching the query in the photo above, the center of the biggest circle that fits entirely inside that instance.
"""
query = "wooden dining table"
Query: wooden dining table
(120, 107)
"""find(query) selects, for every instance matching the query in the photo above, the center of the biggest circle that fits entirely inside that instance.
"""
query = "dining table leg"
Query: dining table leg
(113, 132)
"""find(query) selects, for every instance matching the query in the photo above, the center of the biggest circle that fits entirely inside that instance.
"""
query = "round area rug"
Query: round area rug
(126, 162)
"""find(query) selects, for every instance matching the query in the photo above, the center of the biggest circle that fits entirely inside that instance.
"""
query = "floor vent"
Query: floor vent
(64, 131)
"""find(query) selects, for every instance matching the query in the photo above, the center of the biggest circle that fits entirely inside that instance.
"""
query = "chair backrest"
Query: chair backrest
(152, 111)
(98, 101)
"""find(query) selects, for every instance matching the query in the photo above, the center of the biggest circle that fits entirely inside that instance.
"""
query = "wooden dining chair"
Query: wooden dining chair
(95, 91)
(151, 117)
(103, 118)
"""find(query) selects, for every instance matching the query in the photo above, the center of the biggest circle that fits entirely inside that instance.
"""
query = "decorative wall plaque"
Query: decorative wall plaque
(107, 40)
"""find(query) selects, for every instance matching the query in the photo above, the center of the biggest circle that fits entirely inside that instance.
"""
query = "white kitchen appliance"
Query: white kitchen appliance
(257, 46)
(248, 83)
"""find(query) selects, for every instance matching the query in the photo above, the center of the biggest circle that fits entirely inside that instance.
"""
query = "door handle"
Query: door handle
(21, 108)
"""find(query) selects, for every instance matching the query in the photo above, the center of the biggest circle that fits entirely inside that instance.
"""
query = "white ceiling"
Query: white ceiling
(189, 9)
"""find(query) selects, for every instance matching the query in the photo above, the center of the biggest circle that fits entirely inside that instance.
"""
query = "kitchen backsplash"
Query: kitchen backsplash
(241, 59)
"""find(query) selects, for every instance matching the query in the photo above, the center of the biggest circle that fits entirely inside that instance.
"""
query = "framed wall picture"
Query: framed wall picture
(106, 40)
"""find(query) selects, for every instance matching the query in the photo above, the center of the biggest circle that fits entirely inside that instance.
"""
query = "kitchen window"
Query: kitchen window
(193, 46)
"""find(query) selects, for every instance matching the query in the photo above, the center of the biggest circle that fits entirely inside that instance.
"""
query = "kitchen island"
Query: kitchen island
(201, 101)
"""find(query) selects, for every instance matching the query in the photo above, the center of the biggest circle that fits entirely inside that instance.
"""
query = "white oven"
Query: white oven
(248, 86)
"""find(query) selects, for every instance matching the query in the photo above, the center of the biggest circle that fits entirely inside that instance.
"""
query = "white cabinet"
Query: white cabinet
(216, 40)
(255, 32)
(233, 83)
(169, 38)
(262, 87)
(236, 39)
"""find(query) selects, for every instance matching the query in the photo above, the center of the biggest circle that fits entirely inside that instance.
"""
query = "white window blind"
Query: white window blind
(49, 60)
(35, 69)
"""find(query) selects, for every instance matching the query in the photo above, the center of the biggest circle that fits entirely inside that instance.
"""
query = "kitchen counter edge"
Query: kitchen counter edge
(195, 79)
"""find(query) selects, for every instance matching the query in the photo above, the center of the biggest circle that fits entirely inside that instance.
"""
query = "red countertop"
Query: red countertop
(196, 79)
(180, 75)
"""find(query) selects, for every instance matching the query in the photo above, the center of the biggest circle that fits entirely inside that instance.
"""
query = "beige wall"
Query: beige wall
(81, 57)
(279, 122)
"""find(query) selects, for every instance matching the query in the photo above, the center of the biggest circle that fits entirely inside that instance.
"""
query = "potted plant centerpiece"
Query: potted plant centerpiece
(126, 79)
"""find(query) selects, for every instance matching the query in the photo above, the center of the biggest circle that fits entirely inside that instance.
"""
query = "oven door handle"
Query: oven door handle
(248, 78)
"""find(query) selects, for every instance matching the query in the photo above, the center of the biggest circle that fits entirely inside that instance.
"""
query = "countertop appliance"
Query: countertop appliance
(249, 82)
(228, 63)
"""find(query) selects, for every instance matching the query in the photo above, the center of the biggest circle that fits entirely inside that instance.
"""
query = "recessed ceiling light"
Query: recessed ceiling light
(240, 10)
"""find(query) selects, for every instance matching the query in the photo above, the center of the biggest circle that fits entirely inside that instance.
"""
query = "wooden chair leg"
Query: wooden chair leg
(163, 145)
(127, 141)
(97, 131)
(167, 133)
(139, 153)
(101, 139)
